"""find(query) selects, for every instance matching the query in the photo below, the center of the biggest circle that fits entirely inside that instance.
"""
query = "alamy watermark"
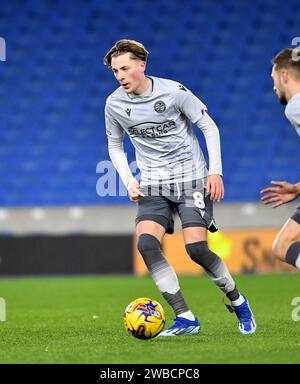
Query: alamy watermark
(296, 311)
(296, 51)
(2, 309)
(2, 49)
(109, 183)
(167, 181)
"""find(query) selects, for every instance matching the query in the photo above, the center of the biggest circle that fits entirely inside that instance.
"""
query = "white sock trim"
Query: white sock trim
(187, 315)
(238, 302)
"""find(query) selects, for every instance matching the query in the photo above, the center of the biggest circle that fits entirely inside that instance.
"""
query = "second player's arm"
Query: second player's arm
(281, 193)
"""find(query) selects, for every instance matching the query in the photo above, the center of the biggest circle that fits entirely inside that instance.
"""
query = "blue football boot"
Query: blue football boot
(245, 316)
(182, 327)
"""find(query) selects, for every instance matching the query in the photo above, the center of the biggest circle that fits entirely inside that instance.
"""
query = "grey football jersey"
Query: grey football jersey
(159, 124)
(292, 112)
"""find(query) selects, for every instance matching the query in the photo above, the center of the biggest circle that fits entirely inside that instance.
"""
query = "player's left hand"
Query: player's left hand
(215, 187)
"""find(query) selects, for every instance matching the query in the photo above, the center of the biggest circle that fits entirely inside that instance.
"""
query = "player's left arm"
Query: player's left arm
(196, 112)
(211, 133)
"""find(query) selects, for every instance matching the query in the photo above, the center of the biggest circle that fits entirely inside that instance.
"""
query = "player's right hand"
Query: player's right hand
(134, 191)
(283, 193)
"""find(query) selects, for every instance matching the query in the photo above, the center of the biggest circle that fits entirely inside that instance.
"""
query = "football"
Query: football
(144, 318)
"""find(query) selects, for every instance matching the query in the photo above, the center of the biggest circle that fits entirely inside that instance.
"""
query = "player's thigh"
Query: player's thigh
(194, 234)
(154, 216)
(288, 234)
(196, 216)
(150, 227)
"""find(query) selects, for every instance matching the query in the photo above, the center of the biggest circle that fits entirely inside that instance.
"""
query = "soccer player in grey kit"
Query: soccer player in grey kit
(158, 114)
(286, 77)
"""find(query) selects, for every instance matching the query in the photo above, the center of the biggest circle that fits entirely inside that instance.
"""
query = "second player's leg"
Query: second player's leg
(286, 246)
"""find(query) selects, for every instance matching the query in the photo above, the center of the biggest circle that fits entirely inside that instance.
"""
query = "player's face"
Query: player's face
(278, 85)
(128, 72)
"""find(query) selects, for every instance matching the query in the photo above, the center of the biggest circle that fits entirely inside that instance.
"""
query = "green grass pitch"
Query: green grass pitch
(80, 320)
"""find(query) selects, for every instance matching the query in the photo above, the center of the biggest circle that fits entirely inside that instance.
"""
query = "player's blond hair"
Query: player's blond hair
(288, 58)
(137, 50)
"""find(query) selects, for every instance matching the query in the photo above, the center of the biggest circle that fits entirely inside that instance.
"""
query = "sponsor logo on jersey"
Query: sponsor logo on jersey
(153, 130)
(160, 106)
(128, 111)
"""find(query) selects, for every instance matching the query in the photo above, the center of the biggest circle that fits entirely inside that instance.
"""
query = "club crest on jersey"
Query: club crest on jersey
(160, 106)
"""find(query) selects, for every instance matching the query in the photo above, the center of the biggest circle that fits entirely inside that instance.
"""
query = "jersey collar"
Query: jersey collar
(147, 93)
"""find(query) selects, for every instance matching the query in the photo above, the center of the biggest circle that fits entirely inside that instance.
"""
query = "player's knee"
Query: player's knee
(149, 247)
(280, 246)
(147, 242)
(201, 254)
(276, 249)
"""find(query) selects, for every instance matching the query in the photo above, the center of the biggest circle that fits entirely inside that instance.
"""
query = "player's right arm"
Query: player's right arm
(115, 137)
(282, 193)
